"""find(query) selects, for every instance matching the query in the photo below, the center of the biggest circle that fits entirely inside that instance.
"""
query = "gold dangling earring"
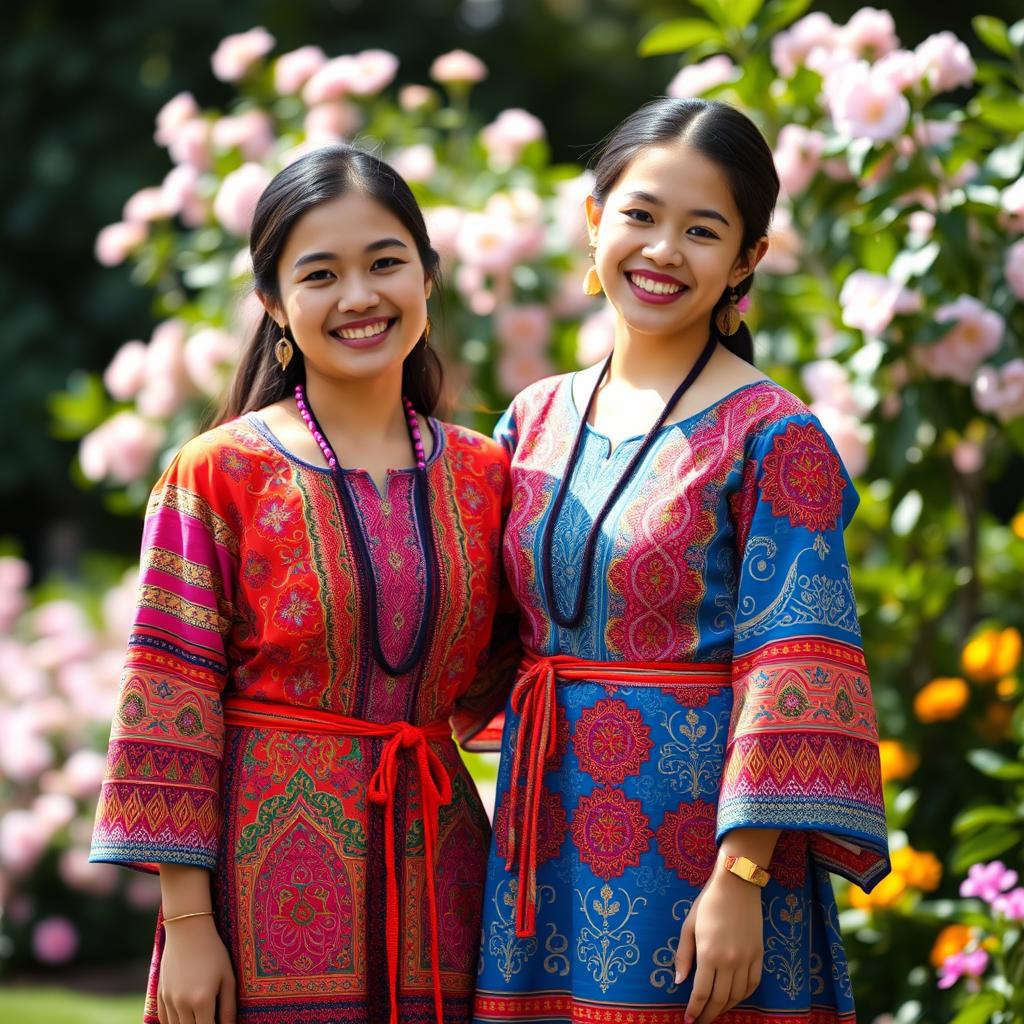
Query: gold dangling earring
(729, 318)
(283, 351)
(426, 332)
(592, 283)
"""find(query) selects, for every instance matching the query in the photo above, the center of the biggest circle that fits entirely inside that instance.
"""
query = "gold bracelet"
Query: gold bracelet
(181, 917)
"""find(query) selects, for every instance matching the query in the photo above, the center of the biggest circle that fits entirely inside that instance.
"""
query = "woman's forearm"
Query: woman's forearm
(184, 890)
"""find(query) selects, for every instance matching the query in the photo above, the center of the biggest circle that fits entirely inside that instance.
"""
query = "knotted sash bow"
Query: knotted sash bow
(435, 791)
(535, 701)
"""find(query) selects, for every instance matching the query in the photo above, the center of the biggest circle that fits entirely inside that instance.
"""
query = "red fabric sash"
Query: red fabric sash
(534, 700)
(435, 791)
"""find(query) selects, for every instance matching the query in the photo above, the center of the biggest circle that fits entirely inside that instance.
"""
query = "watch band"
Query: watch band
(746, 869)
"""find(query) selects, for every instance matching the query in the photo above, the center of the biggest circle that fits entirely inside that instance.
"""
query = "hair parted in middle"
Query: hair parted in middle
(728, 138)
(319, 177)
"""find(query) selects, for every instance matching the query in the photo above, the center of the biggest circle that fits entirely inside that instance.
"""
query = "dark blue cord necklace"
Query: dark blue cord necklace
(420, 492)
(575, 617)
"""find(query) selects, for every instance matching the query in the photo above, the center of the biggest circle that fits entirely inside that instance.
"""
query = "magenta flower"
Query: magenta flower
(962, 965)
(1010, 904)
(987, 881)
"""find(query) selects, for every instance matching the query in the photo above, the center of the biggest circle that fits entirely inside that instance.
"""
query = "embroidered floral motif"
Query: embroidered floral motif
(610, 832)
(611, 741)
(256, 569)
(273, 515)
(802, 478)
(606, 945)
(789, 861)
(236, 466)
(294, 610)
(686, 841)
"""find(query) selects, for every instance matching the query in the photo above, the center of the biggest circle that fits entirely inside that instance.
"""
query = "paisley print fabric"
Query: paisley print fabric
(249, 589)
(726, 548)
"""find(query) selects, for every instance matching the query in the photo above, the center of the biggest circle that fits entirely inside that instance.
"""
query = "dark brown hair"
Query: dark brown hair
(728, 138)
(319, 177)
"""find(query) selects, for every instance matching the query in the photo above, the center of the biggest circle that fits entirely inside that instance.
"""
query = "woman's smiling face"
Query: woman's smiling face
(353, 288)
(668, 240)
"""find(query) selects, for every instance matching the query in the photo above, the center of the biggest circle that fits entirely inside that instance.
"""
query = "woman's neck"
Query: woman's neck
(652, 361)
(361, 413)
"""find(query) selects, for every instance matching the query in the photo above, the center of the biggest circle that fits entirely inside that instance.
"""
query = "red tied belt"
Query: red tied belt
(435, 790)
(534, 700)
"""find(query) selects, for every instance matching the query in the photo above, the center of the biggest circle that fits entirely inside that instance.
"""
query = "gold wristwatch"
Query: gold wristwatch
(747, 870)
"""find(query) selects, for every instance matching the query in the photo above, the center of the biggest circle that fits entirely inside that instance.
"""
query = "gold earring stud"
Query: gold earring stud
(283, 351)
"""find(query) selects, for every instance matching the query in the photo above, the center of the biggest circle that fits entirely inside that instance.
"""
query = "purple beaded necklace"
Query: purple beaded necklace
(424, 632)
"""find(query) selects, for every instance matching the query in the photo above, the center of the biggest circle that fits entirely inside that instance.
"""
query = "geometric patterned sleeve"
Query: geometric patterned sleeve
(802, 751)
(479, 717)
(159, 800)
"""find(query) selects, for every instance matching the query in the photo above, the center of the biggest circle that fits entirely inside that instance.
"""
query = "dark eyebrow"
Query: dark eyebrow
(326, 257)
(709, 215)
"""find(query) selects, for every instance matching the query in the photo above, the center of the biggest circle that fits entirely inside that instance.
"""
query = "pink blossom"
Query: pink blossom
(596, 336)
(191, 144)
(116, 241)
(489, 242)
(237, 197)
(78, 874)
(292, 70)
(790, 49)
(968, 457)
(55, 809)
(569, 302)
(1001, 391)
(374, 70)
(443, 225)
(869, 33)
(568, 213)
(208, 353)
(697, 79)
(123, 448)
(83, 772)
(1013, 268)
(23, 839)
(54, 940)
(20, 677)
(167, 384)
(909, 300)
(148, 204)
(784, 245)
(182, 196)
(507, 136)
(848, 434)
(12, 604)
(172, 115)
(521, 207)
(331, 122)
(415, 163)
(987, 881)
(236, 54)
(525, 328)
(837, 169)
(921, 223)
(58, 618)
(960, 965)
(127, 371)
(828, 383)
(865, 105)
(945, 62)
(412, 98)
(24, 754)
(252, 133)
(977, 333)
(1012, 202)
(798, 156)
(935, 133)
(900, 68)
(517, 369)
(331, 82)
(142, 891)
(1010, 904)
(14, 573)
(868, 301)
(458, 68)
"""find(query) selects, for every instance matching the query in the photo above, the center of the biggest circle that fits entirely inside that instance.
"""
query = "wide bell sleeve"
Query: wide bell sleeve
(479, 716)
(802, 751)
(159, 802)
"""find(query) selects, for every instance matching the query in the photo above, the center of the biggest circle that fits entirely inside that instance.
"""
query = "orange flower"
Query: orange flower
(886, 894)
(919, 868)
(951, 940)
(1017, 525)
(992, 654)
(941, 699)
(897, 761)
(1007, 686)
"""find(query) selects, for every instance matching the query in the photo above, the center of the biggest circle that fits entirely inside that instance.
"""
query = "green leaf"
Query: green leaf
(678, 35)
(992, 32)
(984, 845)
(987, 814)
(912, 264)
(1006, 114)
(742, 12)
(979, 1008)
(716, 10)
(995, 766)
(779, 13)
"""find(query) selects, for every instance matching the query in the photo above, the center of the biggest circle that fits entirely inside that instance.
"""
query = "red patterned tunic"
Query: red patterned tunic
(249, 589)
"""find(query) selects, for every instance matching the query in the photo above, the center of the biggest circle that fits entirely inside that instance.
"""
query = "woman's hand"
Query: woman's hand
(197, 984)
(724, 932)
